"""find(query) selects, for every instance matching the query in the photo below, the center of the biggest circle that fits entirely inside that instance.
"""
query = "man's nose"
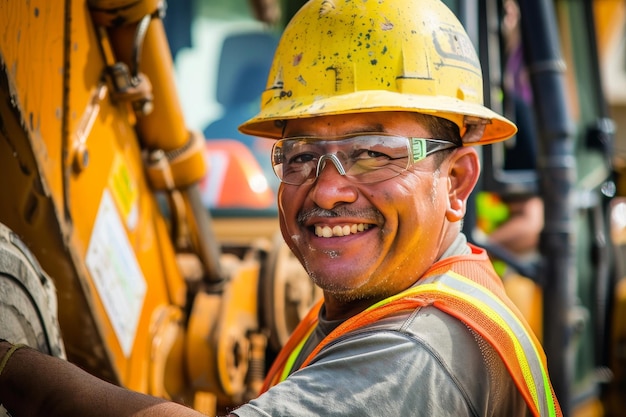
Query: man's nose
(328, 190)
(321, 164)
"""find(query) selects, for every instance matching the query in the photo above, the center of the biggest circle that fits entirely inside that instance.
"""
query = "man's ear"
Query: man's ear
(463, 172)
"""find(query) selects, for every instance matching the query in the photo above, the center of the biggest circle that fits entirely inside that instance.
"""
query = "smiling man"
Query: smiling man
(374, 107)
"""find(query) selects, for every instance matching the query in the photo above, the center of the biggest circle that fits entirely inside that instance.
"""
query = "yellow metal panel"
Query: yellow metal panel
(32, 50)
(85, 147)
(115, 165)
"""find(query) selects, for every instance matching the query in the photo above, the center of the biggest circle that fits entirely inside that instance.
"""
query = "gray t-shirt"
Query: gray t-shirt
(418, 363)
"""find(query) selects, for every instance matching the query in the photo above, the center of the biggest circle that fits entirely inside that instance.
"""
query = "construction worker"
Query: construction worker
(374, 107)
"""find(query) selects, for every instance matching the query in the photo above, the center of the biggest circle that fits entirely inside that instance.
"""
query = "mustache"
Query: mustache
(368, 213)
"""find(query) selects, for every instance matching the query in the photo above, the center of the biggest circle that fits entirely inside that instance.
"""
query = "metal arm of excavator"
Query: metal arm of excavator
(134, 42)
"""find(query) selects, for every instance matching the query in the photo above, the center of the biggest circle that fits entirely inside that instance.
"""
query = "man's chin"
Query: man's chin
(341, 289)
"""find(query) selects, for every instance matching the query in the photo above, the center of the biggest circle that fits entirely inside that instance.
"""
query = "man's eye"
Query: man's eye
(375, 154)
(364, 154)
(302, 158)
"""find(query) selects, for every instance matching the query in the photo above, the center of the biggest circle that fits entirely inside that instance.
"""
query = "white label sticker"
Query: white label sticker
(116, 273)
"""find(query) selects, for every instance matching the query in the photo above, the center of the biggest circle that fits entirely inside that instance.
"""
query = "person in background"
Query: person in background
(514, 221)
(375, 108)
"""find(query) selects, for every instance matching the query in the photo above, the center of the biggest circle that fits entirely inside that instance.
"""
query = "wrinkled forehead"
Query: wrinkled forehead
(398, 123)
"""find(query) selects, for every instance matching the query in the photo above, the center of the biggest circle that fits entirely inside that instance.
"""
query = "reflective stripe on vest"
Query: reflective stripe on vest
(528, 369)
(469, 302)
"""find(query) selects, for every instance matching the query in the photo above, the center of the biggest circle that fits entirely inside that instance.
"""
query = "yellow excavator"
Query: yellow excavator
(108, 256)
(112, 257)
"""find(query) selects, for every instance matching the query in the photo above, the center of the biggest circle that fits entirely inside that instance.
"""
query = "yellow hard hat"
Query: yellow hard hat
(347, 56)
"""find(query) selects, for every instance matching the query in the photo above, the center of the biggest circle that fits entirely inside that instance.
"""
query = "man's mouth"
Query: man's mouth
(338, 231)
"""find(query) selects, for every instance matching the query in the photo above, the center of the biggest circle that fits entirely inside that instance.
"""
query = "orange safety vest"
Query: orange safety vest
(479, 302)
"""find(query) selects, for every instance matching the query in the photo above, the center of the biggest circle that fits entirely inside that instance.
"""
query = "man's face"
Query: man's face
(391, 231)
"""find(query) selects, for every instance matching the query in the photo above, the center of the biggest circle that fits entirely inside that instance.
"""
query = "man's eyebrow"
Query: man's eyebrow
(376, 128)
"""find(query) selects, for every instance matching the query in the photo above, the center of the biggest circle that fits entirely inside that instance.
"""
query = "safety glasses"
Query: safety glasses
(363, 157)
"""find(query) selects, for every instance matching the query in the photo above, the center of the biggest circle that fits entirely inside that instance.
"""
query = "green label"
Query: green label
(419, 148)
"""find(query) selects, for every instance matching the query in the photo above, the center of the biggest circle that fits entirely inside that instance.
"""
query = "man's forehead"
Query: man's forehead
(404, 123)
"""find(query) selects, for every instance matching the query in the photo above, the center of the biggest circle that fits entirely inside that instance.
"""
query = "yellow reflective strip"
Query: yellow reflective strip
(438, 286)
(496, 318)
(409, 291)
(544, 374)
(293, 355)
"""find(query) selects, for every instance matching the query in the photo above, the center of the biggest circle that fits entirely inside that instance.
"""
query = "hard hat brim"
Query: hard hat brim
(267, 122)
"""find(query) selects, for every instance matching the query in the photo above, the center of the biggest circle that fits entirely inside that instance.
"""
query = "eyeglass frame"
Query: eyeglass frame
(417, 148)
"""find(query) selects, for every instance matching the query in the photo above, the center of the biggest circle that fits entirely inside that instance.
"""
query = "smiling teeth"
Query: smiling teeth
(327, 231)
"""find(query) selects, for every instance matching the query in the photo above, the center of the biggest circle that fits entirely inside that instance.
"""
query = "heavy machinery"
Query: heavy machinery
(105, 218)
(110, 257)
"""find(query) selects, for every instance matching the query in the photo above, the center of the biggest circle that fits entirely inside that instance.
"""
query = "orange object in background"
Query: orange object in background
(234, 178)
